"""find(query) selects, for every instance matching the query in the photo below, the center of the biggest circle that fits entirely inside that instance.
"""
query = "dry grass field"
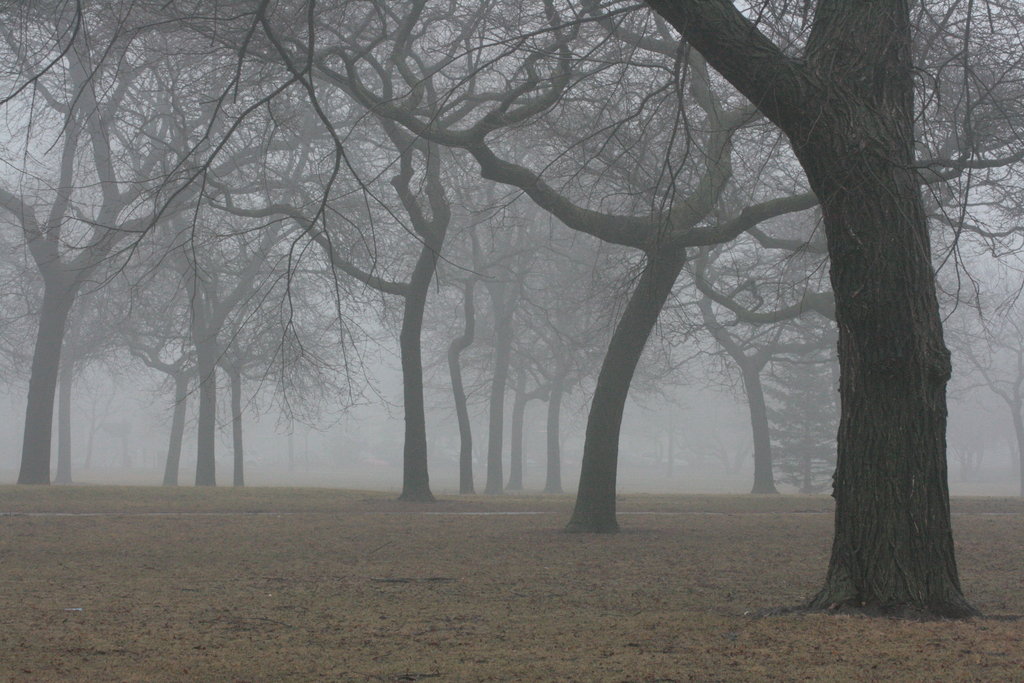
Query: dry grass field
(150, 584)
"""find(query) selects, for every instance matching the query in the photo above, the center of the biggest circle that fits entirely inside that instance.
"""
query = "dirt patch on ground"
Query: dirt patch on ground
(353, 586)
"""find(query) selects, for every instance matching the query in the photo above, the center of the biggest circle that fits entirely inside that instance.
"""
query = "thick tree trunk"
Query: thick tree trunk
(764, 480)
(595, 501)
(172, 465)
(515, 466)
(502, 356)
(893, 544)
(458, 345)
(42, 385)
(206, 429)
(65, 381)
(235, 376)
(415, 479)
(848, 110)
(553, 480)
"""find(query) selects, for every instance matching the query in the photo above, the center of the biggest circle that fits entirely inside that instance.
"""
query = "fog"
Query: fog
(572, 269)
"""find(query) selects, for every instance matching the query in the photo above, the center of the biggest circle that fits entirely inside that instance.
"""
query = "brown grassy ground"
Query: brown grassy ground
(269, 585)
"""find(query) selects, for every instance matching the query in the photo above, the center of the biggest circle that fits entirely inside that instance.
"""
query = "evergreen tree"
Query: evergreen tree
(803, 414)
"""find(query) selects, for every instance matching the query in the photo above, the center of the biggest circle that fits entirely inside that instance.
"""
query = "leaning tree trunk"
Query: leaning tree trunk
(177, 430)
(206, 428)
(515, 465)
(458, 345)
(502, 356)
(595, 501)
(764, 480)
(65, 381)
(42, 384)
(235, 376)
(415, 478)
(553, 480)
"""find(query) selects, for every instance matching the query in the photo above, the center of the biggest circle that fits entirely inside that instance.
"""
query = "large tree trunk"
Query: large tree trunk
(65, 381)
(458, 345)
(415, 479)
(502, 355)
(893, 544)
(206, 429)
(595, 501)
(553, 480)
(235, 376)
(848, 110)
(42, 384)
(172, 465)
(764, 480)
(515, 466)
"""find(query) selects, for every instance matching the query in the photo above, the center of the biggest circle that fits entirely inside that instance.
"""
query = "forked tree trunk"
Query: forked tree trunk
(42, 385)
(595, 501)
(764, 480)
(458, 345)
(553, 480)
(206, 428)
(173, 463)
(415, 479)
(65, 381)
(235, 376)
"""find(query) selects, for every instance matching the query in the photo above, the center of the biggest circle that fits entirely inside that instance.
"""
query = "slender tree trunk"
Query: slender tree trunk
(415, 478)
(1018, 430)
(42, 385)
(206, 464)
(291, 450)
(235, 376)
(173, 463)
(670, 456)
(458, 345)
(764, 480)
(502, 357)
(595, 502)
(515, 468)
(553, 480)
(65, 380)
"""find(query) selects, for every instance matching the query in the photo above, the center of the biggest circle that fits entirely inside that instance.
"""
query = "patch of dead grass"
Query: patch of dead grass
(353, 586)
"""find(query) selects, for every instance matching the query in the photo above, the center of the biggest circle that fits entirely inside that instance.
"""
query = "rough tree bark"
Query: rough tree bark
(595, 501)
(458, 345)
(848, 110)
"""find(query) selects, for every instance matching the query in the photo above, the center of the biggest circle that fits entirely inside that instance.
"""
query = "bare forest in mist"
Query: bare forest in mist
(453, 249)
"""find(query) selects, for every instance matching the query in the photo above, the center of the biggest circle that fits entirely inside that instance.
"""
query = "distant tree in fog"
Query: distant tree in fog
(85, 182)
